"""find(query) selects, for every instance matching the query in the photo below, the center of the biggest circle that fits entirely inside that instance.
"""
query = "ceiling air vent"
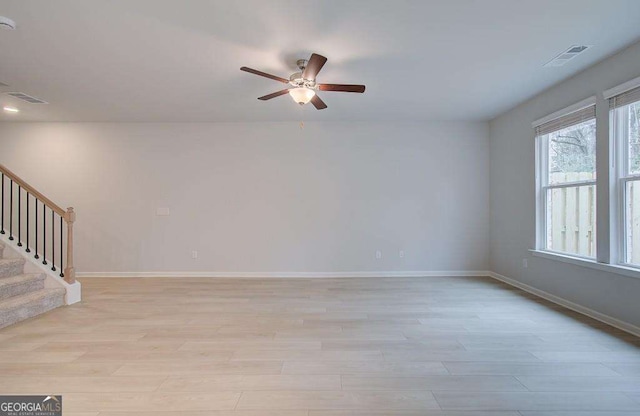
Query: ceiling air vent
(567, 55)
(27, 98)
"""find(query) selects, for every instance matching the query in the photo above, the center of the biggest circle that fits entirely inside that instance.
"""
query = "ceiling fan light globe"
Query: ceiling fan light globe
(302, 95)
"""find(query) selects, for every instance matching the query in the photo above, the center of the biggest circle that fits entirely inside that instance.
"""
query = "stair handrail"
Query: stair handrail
(68, 215)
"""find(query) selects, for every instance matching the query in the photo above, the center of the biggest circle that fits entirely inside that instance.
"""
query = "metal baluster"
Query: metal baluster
(61, 251)
(2, 213)
(37, 256)
(53, 241)
(28, 216)
(11, 211)
(19, 216)
(44, 233)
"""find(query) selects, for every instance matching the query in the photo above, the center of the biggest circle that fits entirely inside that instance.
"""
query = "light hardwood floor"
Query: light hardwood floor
(320, 347)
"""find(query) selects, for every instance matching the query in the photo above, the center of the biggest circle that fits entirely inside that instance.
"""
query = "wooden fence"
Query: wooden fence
(571, 215)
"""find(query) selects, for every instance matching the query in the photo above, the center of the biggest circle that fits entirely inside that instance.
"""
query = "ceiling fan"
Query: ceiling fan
(303, 84)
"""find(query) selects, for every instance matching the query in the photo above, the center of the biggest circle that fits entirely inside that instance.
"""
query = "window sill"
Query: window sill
(591, 264)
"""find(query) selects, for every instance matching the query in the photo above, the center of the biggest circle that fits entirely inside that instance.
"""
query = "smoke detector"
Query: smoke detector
(7, 24)
(567, 55)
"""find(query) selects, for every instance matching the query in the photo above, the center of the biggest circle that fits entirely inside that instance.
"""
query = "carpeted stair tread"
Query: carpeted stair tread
(29, 297)
(18, 308)
(11, 267)
(20, 284)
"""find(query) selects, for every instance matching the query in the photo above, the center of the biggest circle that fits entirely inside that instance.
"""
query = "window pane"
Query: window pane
(572, 153)
(632, 222)
(632, 113)
(571, 220)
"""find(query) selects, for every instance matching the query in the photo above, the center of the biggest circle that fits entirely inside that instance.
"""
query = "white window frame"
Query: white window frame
(542, 181)
(611, 228)
(619, 133)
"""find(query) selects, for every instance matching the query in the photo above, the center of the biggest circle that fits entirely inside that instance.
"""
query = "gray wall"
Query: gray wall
(513, 195)
(264, 197)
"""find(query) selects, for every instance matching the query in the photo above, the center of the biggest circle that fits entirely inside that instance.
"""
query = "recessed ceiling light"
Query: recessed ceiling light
(11, 110)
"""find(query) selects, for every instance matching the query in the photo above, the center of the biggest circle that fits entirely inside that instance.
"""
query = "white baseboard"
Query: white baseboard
(614, 322)
(290, 275)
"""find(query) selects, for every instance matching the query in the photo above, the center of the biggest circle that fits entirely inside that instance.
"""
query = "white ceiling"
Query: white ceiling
(167, 60)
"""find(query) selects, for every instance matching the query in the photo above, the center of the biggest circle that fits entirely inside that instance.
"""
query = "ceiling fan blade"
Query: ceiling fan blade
(315, 64)
(341, 87)
(273, 95)
(318, 103)
(264, 74)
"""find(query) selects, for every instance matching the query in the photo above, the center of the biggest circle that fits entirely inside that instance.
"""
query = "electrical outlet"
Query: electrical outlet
(525, 264)
(401, 254)
(378, 254)
(194, 254)
(163, 212)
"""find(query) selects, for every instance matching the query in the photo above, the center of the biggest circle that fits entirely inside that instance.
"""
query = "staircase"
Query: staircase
(36, 252)
(24, 295)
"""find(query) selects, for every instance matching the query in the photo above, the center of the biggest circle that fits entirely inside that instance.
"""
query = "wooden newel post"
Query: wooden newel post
(70, 271)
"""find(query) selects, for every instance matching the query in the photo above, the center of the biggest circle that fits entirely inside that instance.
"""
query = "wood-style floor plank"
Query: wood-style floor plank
(69, 384)
(433, 383)
(564, 383)
(337, 400)
(251, 383)
(170, 402)
(535, 401)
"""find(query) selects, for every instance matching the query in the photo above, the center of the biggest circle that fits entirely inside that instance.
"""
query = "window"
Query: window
(566, 182)
(566, 216)
(625, 115)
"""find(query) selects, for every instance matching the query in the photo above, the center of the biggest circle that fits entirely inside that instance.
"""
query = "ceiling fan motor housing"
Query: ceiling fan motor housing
(296, 80)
